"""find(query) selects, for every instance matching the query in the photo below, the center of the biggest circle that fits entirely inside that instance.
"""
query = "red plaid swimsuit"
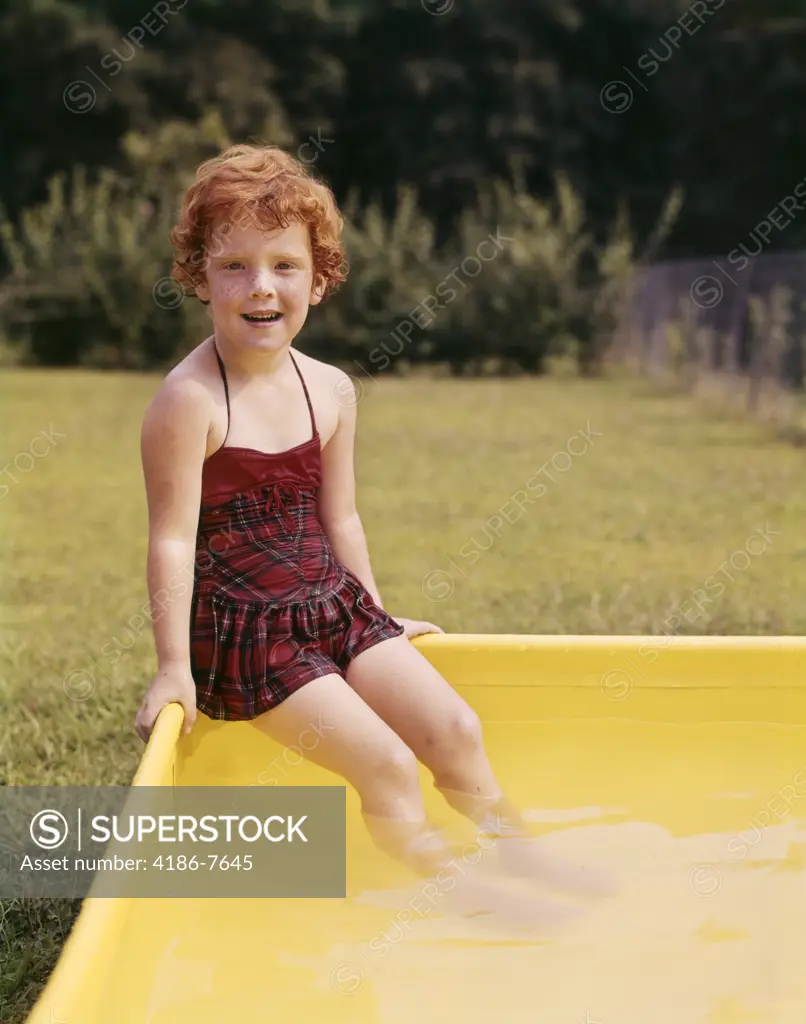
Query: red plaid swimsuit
(272, 609)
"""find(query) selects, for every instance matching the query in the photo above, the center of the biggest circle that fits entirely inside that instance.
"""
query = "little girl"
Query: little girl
(247, 452)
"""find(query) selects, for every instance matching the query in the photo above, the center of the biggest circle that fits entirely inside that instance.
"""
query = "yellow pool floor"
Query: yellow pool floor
(692, 800)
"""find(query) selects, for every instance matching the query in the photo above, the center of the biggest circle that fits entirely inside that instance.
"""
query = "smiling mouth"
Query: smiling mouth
(261, 318)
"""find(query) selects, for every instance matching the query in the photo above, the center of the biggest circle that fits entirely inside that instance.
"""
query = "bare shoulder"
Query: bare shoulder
(173, 444)
(186, 395)
(333, 392)
(316, 370)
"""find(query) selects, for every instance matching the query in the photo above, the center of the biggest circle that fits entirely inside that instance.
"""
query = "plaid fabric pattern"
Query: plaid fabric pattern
(272, 609)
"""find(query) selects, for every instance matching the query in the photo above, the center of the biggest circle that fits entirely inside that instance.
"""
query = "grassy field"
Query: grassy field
(551, 506)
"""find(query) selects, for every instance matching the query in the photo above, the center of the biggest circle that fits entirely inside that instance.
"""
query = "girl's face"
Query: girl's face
(259, 285)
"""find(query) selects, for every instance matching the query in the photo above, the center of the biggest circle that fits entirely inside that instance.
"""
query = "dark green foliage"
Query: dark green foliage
(387, 98)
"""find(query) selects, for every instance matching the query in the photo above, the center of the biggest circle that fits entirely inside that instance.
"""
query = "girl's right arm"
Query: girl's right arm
(173, 448)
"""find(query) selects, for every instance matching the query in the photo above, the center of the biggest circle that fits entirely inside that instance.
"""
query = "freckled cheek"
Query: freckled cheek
(228, 293)
(296, 294)
(233, 294)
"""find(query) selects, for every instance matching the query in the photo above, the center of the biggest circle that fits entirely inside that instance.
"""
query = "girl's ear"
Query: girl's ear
(317, 290)
(202, 291)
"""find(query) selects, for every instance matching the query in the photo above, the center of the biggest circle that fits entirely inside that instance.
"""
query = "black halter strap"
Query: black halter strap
(226, 391)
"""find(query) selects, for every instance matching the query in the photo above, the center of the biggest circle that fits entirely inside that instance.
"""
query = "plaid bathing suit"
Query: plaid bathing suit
(272, 609)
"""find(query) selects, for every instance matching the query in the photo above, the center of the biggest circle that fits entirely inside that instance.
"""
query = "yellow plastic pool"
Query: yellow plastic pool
(677, 765)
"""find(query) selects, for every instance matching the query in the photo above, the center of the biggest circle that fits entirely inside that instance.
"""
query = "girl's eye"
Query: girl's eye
(232, 266)
(285, 265)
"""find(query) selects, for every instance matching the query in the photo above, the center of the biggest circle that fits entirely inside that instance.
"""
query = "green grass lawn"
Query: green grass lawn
(666, 519)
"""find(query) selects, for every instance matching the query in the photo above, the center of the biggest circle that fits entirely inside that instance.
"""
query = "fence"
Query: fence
(737, 318)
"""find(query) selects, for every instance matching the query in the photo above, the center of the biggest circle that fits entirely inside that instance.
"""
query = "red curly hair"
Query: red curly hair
(263, 187)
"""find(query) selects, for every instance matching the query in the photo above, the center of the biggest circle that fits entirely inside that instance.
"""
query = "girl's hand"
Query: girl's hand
(170, 685)
(416, 628)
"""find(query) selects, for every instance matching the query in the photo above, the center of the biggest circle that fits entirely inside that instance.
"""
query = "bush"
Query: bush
(90, 267)
(84, 264)
(522, 279)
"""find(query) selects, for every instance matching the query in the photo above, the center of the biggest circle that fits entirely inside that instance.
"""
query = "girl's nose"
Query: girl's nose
(262, 284)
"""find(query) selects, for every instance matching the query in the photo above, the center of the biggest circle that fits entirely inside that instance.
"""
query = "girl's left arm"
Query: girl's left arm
(337, 509)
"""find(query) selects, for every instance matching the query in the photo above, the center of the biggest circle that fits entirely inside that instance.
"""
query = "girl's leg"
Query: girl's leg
(430, 717)
(409, 694)
(356, 744)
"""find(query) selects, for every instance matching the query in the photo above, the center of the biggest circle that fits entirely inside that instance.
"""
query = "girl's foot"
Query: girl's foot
(523, 857)
(477, 899)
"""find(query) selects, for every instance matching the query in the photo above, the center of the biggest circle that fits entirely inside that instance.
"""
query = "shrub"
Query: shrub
(523, 278)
